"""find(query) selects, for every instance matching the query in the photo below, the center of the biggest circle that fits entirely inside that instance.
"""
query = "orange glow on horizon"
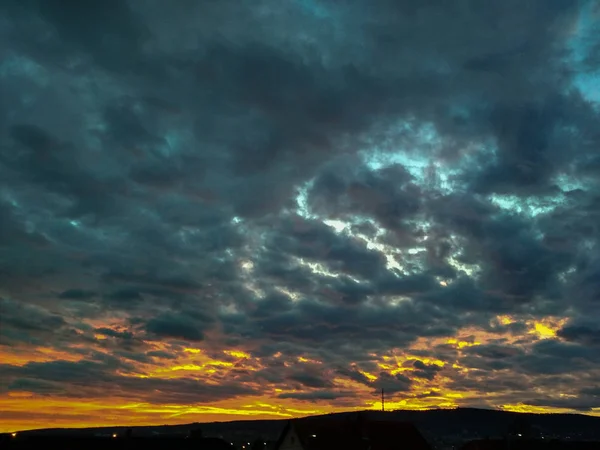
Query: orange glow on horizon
(25, 410)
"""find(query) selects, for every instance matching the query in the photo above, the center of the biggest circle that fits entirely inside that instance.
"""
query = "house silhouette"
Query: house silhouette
(358, 433)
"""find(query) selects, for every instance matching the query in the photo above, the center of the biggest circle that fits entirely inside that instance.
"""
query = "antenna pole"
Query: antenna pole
(382, 401)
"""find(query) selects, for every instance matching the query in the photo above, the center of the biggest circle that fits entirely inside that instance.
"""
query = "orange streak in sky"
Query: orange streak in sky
(27, 410)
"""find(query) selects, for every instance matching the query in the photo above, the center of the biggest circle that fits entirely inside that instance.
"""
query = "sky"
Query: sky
(235, 209)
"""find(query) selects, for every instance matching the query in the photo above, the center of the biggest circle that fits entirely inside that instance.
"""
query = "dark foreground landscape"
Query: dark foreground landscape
(467, 428)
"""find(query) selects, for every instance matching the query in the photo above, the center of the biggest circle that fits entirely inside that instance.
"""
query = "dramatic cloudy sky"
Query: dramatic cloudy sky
(268, 208)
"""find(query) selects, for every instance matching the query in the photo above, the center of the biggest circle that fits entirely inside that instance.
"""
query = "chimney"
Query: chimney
(382, 401)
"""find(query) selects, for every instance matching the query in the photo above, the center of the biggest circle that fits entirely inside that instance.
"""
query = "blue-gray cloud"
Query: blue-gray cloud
(320, 179)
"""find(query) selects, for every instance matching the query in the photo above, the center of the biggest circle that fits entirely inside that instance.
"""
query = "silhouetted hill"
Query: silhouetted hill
(468, 423)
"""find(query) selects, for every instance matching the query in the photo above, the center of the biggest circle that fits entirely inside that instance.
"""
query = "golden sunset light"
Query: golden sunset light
(217, 211)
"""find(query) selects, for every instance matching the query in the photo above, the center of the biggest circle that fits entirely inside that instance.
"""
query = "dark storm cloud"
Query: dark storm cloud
(387, 195)
(58, 371)
(29, 385)
(151, 281)
(314, 241)
(585, 332)
(187, 327)
(393, 384)
(124, 296)
(54, 165)
(107, 31)
(552, 357)
(161, 355)
(311, 380)
(76, 294)
(492, 357)
(127, 335)
(594, 392)
(359, 327)
(21, 323)
(515, 262)
(426, 371)
(26, 317)
(151, 157)
(13, 231)
(523, 134)
(407, 286)
(494, 351)
(355, 375)
(546, 357)
(317, 395)
(92, 378)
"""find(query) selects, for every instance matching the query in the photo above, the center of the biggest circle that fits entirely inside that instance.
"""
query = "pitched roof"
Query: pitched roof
(355, 434)
(393, 435)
